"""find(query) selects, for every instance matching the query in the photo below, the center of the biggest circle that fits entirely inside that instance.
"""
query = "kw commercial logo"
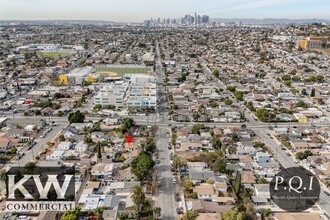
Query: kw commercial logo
(294, 189)
(40, 189)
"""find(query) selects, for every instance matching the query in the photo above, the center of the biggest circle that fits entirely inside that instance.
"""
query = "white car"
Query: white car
(174, 179)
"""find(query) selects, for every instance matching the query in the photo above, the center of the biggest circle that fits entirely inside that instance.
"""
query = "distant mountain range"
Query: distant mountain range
(271, 20)
(46, 22)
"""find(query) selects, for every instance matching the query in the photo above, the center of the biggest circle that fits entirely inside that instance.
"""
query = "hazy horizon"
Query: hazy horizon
(137, 11)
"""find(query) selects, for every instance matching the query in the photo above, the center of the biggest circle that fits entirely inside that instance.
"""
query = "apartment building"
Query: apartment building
(142, 95)
(112, 94)
(136, 90)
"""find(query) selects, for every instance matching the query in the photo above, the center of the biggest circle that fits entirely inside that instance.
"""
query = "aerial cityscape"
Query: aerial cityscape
(207, 112)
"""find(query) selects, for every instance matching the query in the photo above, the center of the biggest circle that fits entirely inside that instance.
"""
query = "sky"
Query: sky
(139, 10)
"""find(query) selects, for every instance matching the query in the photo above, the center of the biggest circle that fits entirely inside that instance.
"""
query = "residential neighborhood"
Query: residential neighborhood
(188, 120)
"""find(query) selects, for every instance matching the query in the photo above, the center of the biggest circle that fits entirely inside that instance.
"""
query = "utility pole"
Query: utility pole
(290, 124)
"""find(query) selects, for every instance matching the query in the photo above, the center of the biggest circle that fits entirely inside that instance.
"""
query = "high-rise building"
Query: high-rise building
(147, 23)
(205, 19)
(195, 18)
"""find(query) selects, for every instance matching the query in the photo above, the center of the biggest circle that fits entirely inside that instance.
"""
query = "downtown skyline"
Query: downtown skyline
(133, 11)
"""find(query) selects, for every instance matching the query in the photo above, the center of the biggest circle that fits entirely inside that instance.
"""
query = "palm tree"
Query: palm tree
(30, 167)
(123, 216)
(176, 162)
(137, 197)
(3, 178)
(157, 212)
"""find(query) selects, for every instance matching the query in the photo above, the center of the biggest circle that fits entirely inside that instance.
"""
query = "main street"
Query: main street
(167, 188)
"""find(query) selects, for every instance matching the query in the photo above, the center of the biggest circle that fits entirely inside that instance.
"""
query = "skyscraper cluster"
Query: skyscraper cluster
(195, 20)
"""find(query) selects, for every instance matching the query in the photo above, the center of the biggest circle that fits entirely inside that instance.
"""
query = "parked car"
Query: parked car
(177, 197)
(174, 179)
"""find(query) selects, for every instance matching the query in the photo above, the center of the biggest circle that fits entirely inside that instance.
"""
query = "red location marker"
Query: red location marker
(129, 139)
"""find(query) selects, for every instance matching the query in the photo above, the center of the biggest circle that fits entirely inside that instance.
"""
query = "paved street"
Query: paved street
(29, 154)
(167, 188)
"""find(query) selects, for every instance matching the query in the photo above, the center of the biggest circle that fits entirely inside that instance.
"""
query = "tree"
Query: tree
(220, 165)
(71, 214)
(97, 107)
(228, 102)
(138, 197)
(141, 165)
(123, 216)
(266, 212)
(194, 195)
(190, 215)
(86, 44)
(231, 88)
(233, 214)
(149, 145)
(111, 107)
(58, 95)
(61, 137)
(237, 184)
(320, 78)
(196, 128)
(99, 153)
(239, 95)
(157, 212)
(287, 82)
(243, 126)
(188, 185)
(127, 123)
(235, 137)
(176, 162)
(263, 114)
(196, 116)
(88, 140)
(3, 176)
(38, 112)
(216, 73)
(216, 143)
(30, 167)
(313, 92)
(262, 181)
(303, 154)
(304, 92)
(301, 104)
(286, 77)
(76, 117)
(99, 211)
(213, 104)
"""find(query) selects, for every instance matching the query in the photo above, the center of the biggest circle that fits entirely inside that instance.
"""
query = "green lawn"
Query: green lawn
(123, 70)
(50, 54)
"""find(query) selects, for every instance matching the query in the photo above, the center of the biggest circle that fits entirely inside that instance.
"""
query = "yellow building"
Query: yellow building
(301, 118)
(313, 42)
(64, 79)
(303, 44)
(91, 79)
